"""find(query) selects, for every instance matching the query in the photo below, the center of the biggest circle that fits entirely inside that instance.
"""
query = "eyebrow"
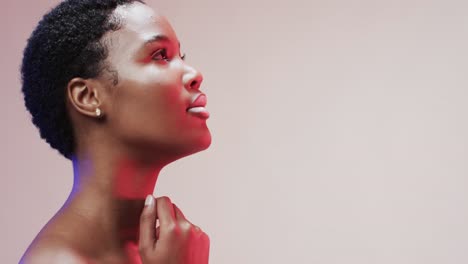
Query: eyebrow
(157, 38)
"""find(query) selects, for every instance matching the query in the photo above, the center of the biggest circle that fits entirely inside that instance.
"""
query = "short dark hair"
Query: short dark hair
(66, 43)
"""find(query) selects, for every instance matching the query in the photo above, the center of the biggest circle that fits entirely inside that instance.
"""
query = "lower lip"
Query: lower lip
(199, 112)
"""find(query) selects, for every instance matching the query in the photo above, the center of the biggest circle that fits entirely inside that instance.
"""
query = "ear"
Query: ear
(83, 95)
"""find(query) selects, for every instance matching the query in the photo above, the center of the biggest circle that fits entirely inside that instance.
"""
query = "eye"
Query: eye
(160, 55)
(182, 56)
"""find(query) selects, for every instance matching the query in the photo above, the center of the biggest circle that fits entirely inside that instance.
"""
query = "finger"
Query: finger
(178, 213)
(158, 230)
(180, 217)
(165, 210)
(147, 236)
(184, 222)
(206, 239)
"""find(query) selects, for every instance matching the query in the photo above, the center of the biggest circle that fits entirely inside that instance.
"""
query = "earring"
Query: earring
(98, 112)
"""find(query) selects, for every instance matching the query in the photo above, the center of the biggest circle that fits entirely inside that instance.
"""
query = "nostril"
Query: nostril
(194, 84)
(192, 79)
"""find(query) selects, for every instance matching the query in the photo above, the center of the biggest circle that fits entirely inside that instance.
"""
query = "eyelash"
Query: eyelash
(163, 52)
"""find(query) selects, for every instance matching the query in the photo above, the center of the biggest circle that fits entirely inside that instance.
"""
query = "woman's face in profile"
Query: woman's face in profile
(156, 102)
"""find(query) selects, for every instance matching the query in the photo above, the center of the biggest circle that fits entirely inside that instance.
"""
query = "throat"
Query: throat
(132, 252)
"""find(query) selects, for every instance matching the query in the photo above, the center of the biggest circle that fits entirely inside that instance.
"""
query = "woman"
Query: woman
(107, 86)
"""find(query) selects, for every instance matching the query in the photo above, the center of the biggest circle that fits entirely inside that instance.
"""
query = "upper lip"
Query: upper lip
(198, 100)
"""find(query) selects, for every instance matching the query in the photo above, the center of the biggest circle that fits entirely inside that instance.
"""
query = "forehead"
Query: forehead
(141, 23)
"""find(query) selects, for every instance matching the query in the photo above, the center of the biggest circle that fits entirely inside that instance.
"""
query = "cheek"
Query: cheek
(152, 108)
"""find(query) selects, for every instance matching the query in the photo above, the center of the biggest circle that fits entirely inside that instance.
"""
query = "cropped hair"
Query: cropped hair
(66, 43)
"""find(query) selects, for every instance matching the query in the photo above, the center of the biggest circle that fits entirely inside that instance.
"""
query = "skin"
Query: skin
(143, 127)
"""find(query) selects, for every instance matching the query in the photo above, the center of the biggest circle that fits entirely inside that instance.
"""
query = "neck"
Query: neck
(108, 197)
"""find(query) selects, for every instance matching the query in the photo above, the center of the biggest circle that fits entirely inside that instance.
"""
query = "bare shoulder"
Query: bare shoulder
(52, 252)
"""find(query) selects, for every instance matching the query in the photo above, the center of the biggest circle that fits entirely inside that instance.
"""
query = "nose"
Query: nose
(192, 78)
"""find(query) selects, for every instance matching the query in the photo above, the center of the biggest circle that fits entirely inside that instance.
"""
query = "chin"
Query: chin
(202, 143)
(191, 145)
(207, 141)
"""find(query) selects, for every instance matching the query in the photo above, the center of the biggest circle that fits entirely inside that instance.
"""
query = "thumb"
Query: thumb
(147, 237)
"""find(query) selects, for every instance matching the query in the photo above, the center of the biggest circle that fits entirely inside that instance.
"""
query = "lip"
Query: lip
(198, 100)
(197, 106)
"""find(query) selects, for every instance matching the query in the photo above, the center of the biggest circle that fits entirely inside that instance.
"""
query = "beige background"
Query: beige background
(340, 132)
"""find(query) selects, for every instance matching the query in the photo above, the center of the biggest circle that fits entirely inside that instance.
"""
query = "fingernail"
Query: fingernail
(149, 201)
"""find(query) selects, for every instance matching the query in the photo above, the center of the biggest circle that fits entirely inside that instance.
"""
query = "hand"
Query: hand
(175, 240)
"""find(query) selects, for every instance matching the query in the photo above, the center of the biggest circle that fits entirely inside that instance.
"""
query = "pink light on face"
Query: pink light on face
(156, 87)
